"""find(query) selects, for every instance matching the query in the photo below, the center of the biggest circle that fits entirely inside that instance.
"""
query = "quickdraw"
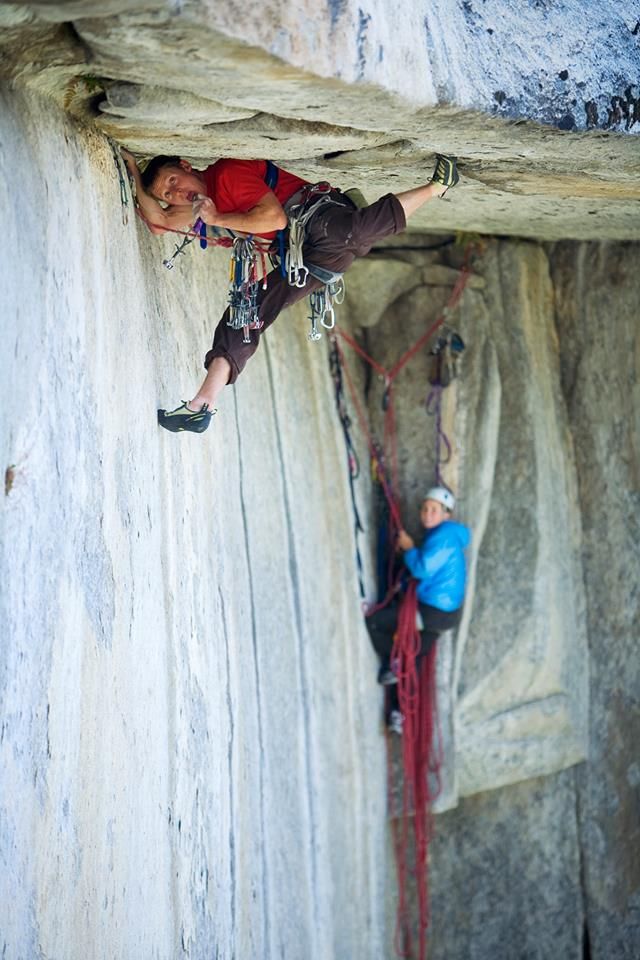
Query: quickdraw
(243, 287)
(169, 263)
(322, 303)
(124, 196)
(295, 271)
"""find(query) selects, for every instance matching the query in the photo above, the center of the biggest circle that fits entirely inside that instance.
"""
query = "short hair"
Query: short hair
(152, 169)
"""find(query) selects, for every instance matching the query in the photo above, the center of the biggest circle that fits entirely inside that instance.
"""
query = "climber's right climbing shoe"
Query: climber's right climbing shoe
(445, 171)
(182, 418)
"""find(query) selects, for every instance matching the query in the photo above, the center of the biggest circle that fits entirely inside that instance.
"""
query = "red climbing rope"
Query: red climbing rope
(385, 456)
(421, 737)
(262, 244)
(374, 447)
(421, 762)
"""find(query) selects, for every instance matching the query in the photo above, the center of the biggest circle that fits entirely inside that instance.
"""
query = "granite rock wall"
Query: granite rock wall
(597, 300)
(543, 122)
(190, 756)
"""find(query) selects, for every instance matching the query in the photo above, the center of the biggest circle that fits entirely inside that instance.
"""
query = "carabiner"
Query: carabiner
(298, 276)
(328, 312)
(314, 335)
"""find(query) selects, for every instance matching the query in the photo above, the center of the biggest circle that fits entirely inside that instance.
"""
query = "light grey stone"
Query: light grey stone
(597, 297)
(572, 173)
(438, 275)
(375, 283)
(189, 730)
(212, 137)
(145, 104)
(190, 754)
(505, 875)
(53, 11)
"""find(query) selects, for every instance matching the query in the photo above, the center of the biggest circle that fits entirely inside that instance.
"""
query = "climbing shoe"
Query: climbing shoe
(445, 171)
(182, 418)
(394, 722)
(386, 676)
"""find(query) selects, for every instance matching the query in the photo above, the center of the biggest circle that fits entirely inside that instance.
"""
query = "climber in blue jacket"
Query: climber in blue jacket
(439, 566)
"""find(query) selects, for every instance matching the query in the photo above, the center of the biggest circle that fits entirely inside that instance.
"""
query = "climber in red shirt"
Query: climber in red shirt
(234, 194)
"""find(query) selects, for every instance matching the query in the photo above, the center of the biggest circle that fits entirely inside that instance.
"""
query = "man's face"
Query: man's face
(432, 514)
(177, 186)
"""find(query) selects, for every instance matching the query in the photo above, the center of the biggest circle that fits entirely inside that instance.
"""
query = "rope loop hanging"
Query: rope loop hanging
(443, 451)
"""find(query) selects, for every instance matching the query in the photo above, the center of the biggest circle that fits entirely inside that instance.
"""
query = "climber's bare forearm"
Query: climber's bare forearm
(160, 219)
(266, 216)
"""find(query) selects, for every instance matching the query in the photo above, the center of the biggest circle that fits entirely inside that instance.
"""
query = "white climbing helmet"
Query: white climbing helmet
(441, 495)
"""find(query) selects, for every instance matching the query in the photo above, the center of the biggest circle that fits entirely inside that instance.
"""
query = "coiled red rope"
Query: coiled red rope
(421, 763)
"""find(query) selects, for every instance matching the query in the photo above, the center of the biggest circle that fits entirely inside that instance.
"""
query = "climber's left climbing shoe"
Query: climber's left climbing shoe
(182, 418)
(386, 676)
(395, 722)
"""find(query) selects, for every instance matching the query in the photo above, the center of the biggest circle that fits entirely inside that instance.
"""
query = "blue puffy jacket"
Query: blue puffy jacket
(439, 565)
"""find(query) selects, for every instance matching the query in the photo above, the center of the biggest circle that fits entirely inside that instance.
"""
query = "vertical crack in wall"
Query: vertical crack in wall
(582, 884)
(254, 640)
(303, 670)
(568, 376)
(169, 577)
(230, 745)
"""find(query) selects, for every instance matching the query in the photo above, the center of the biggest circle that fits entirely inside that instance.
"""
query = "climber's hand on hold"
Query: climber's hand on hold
(205, 209)
(404, 541)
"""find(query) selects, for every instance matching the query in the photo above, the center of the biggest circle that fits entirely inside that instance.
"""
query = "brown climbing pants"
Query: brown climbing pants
(335, 236)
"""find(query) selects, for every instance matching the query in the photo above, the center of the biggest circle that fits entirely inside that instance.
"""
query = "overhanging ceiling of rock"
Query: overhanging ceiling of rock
(544, 123)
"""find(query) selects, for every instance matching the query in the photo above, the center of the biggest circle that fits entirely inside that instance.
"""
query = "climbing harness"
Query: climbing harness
(421, 737)
(300, 208)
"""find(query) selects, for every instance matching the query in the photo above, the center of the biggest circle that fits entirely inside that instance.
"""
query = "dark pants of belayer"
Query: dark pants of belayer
(383, 624)
(335, 236)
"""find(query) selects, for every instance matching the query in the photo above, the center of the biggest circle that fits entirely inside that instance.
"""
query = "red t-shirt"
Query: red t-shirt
(238, 185)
